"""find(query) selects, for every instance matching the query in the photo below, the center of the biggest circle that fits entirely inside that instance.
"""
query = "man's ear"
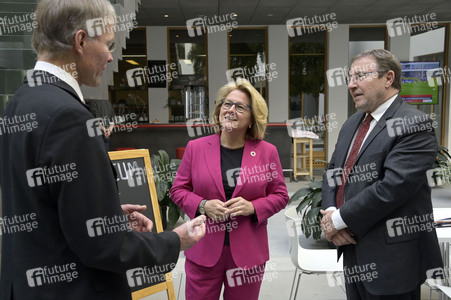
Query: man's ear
(80, 41)
(390, 78)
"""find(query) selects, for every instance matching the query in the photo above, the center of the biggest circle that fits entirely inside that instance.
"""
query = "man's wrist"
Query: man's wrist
(338, 221)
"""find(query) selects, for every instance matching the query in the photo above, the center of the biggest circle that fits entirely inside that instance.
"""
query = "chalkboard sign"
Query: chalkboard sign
(137, 186)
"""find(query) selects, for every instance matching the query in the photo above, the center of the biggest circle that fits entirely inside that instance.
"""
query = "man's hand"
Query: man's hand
(338, 237)
(239, 207)
(327, 224)
(138, 221)
(216, 209)
(191, 232)
(343, 237)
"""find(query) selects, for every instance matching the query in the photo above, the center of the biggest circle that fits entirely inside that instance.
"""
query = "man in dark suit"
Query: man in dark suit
(64, 232)
(376, 197)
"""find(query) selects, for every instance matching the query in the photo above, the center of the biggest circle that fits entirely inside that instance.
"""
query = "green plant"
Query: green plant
(164, 171)
(309, 207)
(443, 162)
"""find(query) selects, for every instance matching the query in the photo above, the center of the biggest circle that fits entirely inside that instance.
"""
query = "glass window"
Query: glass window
(307, 55)
(129, 93)
(248, 57)
(429, 46)
(187, 92)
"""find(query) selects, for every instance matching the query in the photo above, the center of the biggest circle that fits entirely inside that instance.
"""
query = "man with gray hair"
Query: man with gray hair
(376, 197)
(64, 232)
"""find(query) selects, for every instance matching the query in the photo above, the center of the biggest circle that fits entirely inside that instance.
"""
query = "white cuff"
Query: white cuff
(337, 220)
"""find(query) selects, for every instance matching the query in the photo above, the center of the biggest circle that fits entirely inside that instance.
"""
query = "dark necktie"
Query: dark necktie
(363, 130)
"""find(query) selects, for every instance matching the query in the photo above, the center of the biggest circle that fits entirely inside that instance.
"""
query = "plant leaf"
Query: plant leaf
(304, 203)
(173, 214)
(316, 185)
(299, 194)
(316, 198)
(164, 158)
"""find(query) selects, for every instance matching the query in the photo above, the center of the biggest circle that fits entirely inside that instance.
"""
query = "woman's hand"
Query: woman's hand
(239, 207)
(215, 209)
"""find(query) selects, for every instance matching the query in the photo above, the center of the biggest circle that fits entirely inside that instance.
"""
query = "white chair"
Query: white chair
(308, 261)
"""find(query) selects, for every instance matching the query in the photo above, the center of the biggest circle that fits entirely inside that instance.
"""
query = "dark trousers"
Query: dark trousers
(355, 290)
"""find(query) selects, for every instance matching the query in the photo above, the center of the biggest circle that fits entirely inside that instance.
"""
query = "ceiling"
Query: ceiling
(270, 12)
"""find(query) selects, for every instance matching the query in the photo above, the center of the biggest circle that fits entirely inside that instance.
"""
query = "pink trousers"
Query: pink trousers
(206, 282)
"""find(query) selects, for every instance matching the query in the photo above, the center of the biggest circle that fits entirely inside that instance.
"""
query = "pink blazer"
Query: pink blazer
(260, 181)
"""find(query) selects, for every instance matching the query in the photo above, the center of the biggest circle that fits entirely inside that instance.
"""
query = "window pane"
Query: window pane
(187, 92)
(247, 57)
(128, 99)
(307, 72)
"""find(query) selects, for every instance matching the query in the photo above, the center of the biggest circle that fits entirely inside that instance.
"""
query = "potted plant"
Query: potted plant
(309, 206)
(443, 163)
(164, 171)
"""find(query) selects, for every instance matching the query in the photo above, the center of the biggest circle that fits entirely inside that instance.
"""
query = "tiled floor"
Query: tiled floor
(277, 286)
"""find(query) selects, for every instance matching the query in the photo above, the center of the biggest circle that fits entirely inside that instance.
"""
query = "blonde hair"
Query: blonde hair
(59, 20)
(259, 111)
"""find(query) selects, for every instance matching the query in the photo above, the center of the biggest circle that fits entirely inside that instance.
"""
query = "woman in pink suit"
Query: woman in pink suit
(235, 179)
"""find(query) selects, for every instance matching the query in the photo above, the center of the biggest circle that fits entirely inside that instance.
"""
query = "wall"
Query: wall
(217, 67)
(157, 49)
(338, 56)
(337, 101)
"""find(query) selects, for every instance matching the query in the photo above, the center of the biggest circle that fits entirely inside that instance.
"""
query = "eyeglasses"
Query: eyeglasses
(239, 106)
(361, 76)
(112, 46)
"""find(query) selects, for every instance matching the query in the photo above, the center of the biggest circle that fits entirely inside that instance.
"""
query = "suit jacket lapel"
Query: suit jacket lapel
(212, 154)
(250, 158)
